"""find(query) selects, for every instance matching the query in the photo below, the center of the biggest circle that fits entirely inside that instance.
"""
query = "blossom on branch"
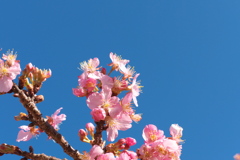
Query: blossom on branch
(55, 120)
(26, 133)
(9, 69)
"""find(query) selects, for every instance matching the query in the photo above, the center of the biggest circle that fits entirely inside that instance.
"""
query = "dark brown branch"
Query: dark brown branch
(29, 104)
(10, 149)
(98, 134)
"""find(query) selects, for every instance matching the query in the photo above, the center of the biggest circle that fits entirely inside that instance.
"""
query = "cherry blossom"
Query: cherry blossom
(26, 133)
(8, 71)
(55, 120)
(117, 61)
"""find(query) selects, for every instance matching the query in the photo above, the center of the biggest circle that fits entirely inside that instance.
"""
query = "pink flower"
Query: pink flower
(117, 61)
(104, 100)
(152, 134)
(106, 81)
(87, 83)
(119, 85)
(106, 156)
(135, 88)
(126, 105)
(128, 71)
(94, 152)
(157, 146)
(90, 66)
(7, 74)
(115, 124)
(176, 132)
(26, 133)
(128, 155)
(55, 120)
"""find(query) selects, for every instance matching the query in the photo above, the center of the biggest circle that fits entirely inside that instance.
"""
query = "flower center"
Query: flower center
(3, 72)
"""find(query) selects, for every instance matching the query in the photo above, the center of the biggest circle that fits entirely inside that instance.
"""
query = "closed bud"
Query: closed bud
(39, 98)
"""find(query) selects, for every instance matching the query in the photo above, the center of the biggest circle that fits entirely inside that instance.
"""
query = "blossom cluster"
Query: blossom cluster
(158, 147)
(111, 99)
(102, 93)
(9, 69)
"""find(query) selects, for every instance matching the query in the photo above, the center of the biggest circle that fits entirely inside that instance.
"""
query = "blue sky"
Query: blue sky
(187, 53)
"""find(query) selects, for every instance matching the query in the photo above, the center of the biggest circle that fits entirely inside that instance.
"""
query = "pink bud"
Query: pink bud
(130, 141)
(121, 141)
(29, 66)
(79, 92)
(90, 128)
(98, 114)
(82, 133)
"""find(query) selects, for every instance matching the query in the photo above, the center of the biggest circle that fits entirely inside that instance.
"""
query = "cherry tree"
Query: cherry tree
(110, 100)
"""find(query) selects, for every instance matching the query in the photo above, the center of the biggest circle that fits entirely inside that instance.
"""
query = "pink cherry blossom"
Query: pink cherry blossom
(104, 100)
(115, 124)
(127, 72)
(94, 152)
(26, 133)
(126, 105)
(7, 74)
(119, 85)
(176, 132)
(57, 119)
(90, 66)
(106, 81)
(135, 88)
(117, 61)
(87, 83)
(106, 156)
(152, 134)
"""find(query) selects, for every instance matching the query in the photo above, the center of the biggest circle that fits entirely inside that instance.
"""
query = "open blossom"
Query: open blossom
(91, 68)
(104, 100)
(176, 132)
(115, 124)
(117, 61)
(26, 133)
(8, 71)
(94, 152)
(55, 120)
(135, 88)
(152, 134)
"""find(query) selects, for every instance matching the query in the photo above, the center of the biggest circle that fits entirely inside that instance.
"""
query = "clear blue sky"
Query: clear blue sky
(187, 52)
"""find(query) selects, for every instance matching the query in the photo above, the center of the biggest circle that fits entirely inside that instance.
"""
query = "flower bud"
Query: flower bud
(130, 141)
(90, 128)
(39, 98)
(83, 135)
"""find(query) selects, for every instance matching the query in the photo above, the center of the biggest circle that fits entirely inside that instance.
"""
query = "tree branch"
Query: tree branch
(10, 149)
(29, 104)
